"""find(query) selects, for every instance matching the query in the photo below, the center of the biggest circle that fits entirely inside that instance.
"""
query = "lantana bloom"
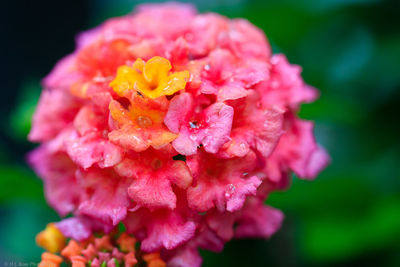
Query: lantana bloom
(175, 124)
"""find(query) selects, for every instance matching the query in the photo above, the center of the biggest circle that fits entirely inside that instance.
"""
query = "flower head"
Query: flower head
(176, 124)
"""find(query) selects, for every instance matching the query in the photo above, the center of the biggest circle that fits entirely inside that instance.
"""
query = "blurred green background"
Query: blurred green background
(349, 49)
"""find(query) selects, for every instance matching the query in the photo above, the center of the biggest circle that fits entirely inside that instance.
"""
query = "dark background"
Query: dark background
(349, 49)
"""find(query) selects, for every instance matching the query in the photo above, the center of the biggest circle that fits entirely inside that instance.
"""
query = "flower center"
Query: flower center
(151, 79)
(156, 164)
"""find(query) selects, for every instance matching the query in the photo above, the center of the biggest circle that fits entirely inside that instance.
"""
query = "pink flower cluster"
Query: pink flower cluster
(185, 146)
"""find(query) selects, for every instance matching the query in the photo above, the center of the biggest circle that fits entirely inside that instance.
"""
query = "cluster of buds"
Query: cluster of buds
(177, 125)
(111, 250)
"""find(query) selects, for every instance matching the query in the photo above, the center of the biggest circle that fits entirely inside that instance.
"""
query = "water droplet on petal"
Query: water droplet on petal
(144, 121)
(230, 190)
(193, 124)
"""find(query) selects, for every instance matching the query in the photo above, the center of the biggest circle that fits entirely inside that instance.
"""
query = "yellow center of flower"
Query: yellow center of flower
(151, 79)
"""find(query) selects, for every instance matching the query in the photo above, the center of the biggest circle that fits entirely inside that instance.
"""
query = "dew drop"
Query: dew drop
(230, 190)
(144, 121)
(193, 124)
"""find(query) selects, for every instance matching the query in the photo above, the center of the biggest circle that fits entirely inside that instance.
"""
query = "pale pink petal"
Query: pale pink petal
(160, 229)
(178, 111)
(63, 75)
(106, 195)
(298, 150)
(55, 111)
(258, 220)
(153, 192)
(231, 91)
(186, 143)
(285, 87)
(81, 228)
(152, 175)
(168, 232)
(58, 174)
(185, 257)
(236, 194)
(219, 118)
(221, 183)
(246, 40)
(90, 149)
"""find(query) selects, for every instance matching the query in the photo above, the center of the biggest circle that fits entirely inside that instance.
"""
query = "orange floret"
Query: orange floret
(51, 239)
(154, 260)
(140, 125)
(130, 259)
(72, 249)
(126, 243)
(50, 260)
(103, 243)
(78, 261)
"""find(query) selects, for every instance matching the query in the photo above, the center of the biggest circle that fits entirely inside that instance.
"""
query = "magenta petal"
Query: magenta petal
(186, 143)
(179, 108)
(169, 231)
(108, 201)
(91, 149)
(258, 220)
(185, 257)
(58, 174)
(56, 109)
(231, 91)
(152, 192)
(219, 117)
(236, 194)
(81, 228)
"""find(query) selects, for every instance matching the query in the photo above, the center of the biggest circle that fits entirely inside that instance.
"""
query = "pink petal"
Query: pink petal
(81, 228)
(221, 183)
(258, 220)
(63, 75)
(169, 233)
(179, 109)
(185, 257)
(186, 143)
(204, 32)
(254, 127)
(160, 229)
(231, 91)
(129, 137)
(56, 109)
(154, 172)
(153, 192)
(107, 199)
(58, 174)
(90, 149)
(150, 20)
(298, 150)
(236, 194)
(246, 40)
(285, 86)
(219, 117)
